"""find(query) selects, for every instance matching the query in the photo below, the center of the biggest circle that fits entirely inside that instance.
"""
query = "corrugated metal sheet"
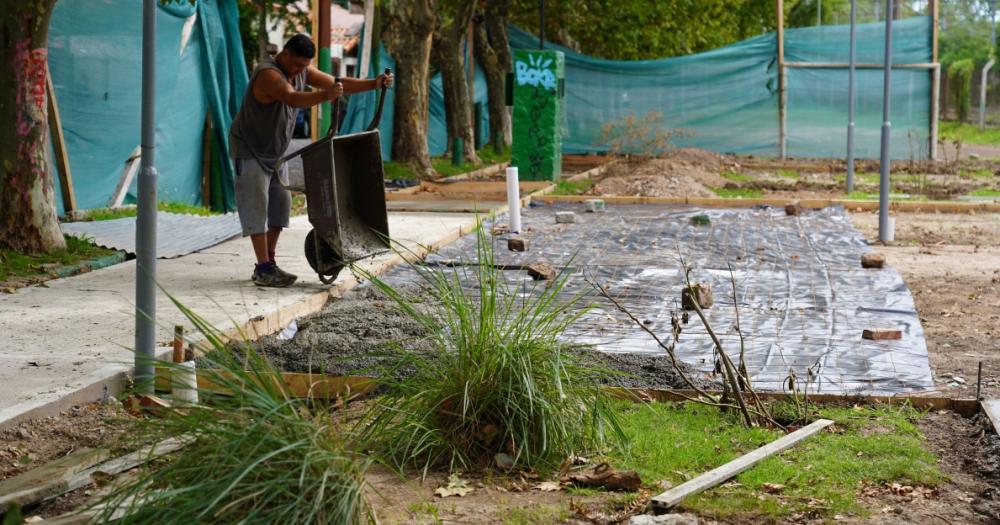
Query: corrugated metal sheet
(176, 234)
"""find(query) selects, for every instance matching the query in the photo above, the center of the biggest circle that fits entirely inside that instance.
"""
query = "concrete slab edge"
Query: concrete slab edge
(112, 381)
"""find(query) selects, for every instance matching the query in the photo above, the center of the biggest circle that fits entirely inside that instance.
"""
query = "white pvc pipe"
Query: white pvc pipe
(513, 200)
(185, 383)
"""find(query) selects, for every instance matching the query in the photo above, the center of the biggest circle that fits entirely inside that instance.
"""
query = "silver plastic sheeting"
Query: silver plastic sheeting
(803, 298)
(176, 234)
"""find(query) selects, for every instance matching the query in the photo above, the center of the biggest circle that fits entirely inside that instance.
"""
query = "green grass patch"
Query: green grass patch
(568, 187)
(107, 214)
(536, 515)
(13, 264)
(736, 177)
(969, 133)
(739, 193)
(442, 165)
(985, 192)
(676, 442)
(788, 174)
(861, 196)
(984, 173)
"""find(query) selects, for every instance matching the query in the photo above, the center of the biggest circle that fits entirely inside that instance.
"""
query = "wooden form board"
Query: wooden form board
(716, 476)
(131, 167)
(992, 409)
(850, 205)
(309, 386)
(59, 148)
(964, 407)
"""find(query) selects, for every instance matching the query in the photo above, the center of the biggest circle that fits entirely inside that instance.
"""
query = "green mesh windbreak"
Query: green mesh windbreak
(95, 59)
(726, 100)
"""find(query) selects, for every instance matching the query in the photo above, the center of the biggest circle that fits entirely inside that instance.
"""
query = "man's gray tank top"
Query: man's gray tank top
(263, 131)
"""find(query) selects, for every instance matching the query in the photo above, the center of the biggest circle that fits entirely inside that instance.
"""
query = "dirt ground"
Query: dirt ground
(951, 263)
(685, 172)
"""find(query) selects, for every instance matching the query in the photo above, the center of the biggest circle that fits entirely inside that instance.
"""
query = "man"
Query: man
(260, 135)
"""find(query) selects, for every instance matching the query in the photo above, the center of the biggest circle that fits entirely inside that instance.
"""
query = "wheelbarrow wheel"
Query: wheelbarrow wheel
(322, 258)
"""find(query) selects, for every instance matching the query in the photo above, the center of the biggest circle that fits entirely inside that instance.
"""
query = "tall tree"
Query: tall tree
(454, 17)
(634, 30)
(492, 50)
(28, 222)
(407, 32)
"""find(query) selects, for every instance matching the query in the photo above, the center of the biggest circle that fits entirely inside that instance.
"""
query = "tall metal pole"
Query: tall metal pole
(541, 24)
(145, 229)
(883, 190)
(851, 103)
(325, 64)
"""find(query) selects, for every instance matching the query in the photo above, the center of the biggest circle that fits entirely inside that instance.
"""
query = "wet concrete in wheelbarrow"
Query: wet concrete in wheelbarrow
(363, 332)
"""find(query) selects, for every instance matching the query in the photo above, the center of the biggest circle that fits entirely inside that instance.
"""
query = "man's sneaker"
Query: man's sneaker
(267, 274)
(285, 274)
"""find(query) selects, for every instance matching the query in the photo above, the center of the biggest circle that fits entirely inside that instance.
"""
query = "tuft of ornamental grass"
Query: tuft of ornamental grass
(256, 455)
(499, 381)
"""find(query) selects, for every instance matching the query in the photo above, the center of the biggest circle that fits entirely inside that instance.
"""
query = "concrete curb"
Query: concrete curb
(110, 381)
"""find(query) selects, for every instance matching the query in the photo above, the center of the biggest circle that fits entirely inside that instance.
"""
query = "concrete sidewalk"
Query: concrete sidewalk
(69, 340)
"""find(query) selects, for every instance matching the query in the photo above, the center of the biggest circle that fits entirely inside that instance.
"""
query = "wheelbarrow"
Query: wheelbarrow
(343, 180)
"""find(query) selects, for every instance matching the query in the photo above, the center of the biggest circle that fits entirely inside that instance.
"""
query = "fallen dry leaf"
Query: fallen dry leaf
(456, 487)
(773, 488)
(548, 486)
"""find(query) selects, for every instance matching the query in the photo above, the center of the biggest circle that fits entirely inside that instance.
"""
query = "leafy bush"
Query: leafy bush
(499, 382)
(638, 138)
(256, 455)
(961, 74)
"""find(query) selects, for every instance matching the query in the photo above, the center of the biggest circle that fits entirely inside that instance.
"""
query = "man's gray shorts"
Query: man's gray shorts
(262, 202)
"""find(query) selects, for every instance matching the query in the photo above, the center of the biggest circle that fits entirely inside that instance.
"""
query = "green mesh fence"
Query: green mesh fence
(726, 100)
(95, 62)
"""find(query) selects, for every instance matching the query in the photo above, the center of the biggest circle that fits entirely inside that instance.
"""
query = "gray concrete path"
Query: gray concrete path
(69, 340)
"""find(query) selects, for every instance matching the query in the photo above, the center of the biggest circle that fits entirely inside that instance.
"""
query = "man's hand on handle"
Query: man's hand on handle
(383, 80)
(335, 92)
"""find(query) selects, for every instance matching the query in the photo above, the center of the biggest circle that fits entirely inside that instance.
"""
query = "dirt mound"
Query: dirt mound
(683, 173)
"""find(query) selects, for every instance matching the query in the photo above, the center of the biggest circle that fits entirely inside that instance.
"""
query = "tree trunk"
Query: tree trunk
(409, 26)
(446, 52)
(492, 50)
(28, 221)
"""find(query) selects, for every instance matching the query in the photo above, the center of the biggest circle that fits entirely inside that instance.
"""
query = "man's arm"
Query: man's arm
(271, 86)
(321, 80)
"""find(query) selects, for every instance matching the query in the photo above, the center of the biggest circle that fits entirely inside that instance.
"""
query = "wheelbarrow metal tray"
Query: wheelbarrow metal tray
(344, 183)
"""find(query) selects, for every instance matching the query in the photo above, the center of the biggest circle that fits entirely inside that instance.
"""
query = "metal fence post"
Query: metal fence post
(145, 229)
(883, 192)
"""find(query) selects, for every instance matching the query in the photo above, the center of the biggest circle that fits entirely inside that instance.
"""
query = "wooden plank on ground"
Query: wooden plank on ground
(300, 385)
(75, 471)
(47, 480)
(59, 148)
(716, 476)
(992, 409)
(131, 166)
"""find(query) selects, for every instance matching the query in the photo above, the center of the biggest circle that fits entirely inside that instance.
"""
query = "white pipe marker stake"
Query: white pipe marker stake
(513, 200)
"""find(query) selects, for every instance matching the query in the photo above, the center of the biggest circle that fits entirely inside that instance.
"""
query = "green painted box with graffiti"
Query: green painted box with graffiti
(538, 82)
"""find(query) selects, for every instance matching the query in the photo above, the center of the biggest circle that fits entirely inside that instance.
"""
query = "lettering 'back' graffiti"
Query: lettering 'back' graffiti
(535, 73)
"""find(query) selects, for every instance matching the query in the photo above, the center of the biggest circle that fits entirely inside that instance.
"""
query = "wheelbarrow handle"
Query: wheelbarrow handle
(381, 102)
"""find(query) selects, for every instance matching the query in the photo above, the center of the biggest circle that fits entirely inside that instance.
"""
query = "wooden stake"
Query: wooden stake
(716, 476)
(206, 162)
(59, 147)
(178, 344)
